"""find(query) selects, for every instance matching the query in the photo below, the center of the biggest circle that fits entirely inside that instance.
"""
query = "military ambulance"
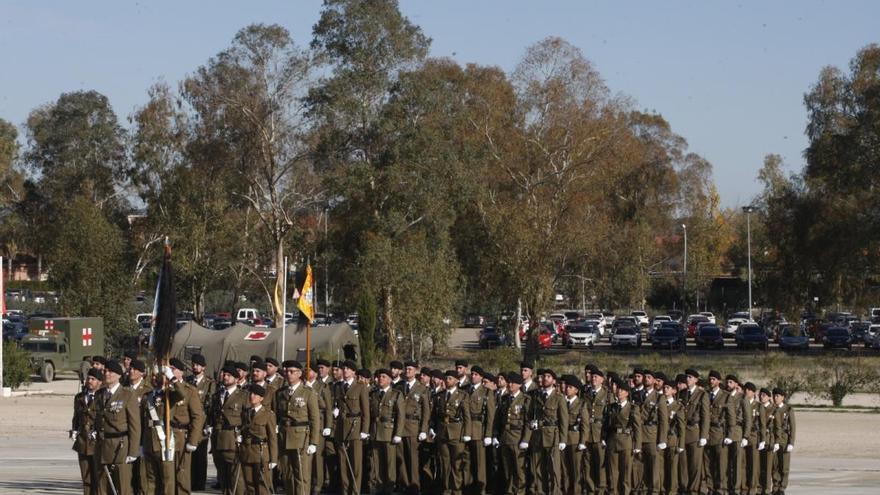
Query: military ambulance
(59, 344)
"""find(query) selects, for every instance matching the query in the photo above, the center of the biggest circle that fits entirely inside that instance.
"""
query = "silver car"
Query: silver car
(583, 334)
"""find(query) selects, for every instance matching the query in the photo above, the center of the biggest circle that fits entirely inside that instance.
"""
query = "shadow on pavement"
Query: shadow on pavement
(40, 486)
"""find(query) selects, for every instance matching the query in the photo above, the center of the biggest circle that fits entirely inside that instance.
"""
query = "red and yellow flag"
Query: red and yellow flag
(306, 302)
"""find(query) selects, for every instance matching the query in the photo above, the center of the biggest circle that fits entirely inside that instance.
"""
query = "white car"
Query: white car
(600, 324)
(708, 314)
(656, 322)
(626, 336)
(872, 338)
(734, 322)
(583, 334)
(641, 317)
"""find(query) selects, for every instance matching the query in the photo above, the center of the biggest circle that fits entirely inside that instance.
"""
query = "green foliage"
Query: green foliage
(834, 378)
(499, 359)
(16, 367)
(780, 373)
(367, 321)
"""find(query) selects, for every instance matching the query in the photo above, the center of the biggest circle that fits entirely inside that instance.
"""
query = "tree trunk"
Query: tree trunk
(279, 273)
(518, 324)
(387, 317)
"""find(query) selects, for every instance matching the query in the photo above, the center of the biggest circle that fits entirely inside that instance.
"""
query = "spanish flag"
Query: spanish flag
(306, 302)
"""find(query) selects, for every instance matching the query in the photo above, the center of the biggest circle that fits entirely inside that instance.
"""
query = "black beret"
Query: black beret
(503, 374)
(460, 362)
(550, 372)
(732, 378)
(692, 372)
(613, 376)
(348, 363)
(337, 364)
(715, 374)
(364, 373)
(323, 362)
(540, 371)
(290, 363)
(622, 385)
(257, 390)
(750, 386)
(437, 374)
(396, 365)
(113, 366)
(527, 364)
(96, 373)
(99, 359)
(478, 370)
(779, 391)
(240, 366)
(572, 381)
(260, 365)
(592, 368)
(660, 376)
(451, 373)
(137, 364)
(272, 361)
(681, 378)
(256, 358)
(199, 360)
(411, 364)
(639, 371)
(647, 372)
(228, 369)
(425, 371)
(489, 376)
(383, 371)
(130, 354)
(669, 384)
(514, 377)
(765, 391)
(177, 363)
(597, 372)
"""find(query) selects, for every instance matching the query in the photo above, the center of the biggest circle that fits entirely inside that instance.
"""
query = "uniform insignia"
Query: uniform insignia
(299, 402)
(416, 396)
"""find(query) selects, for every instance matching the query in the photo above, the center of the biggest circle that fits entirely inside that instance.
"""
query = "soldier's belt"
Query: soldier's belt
(413, 416)
(386, 420)
(453, 420)
(477, 417)
(110, 434)
(549, 422)
(626, 431)
(179, 426)
(574, 428)
(290, 422)
(255, 441)
(353, 415)
(715, 424)
(155, 423)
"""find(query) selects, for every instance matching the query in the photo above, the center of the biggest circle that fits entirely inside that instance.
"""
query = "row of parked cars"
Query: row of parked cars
(15, 323)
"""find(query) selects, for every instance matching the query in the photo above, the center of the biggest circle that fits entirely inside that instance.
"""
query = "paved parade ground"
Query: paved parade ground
(836, 452)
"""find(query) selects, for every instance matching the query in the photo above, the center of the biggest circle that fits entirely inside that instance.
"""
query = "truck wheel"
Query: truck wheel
(47, 372)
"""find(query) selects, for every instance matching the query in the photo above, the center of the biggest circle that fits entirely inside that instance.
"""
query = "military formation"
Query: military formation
(273, 427)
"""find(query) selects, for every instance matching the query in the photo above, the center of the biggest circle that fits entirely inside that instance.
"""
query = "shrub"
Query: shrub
(16, 365)
(835, 378)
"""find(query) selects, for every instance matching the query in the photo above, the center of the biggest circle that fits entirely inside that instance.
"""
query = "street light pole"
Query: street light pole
(684, 266)
(748, 210)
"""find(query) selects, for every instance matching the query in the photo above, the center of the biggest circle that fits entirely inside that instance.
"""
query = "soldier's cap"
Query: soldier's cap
(527, 364)
(230, 369)
(647, 372)
(779, 391)
(257, 390)
(425, 371)
(348, 363)
(323, 362)
(622, 385)
(540, 371)
(411, 364)
(290, 363)
(260, 365)
(137, 364)
(177, 363)
(478, 370)
(502, 374)
(114, 366)
(681, 378)
(550, 372)
(97, 374)
(597, 372)
(130, 354)
(669, 384)
(691, 372)
(240, 366)
(715, 374)
(732, 378)
(514, 377)
(438, 374)
(199, 360)
(383, 371)
(256, 358)
(750, 386)
(364, 373)
(272, 361)
(489, 376)
(337, 364)
(99, 359)
(639, 371)
(397, 365)
(660, 376)
(613, 376)
(461, 362)
(765, 391)
(450, 373)
(572, 381)
(592, 368)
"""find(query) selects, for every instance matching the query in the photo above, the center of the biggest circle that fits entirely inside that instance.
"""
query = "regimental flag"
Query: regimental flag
(278, 301)
(164, 310)
(306, 302)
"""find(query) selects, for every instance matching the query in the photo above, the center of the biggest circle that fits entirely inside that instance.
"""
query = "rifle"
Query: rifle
(260, 472)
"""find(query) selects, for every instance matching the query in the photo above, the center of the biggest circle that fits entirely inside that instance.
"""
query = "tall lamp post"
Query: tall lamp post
(583, 290)
(684, 270)
(748, 211)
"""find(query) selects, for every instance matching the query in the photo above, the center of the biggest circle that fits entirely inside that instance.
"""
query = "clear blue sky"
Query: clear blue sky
(729, 76)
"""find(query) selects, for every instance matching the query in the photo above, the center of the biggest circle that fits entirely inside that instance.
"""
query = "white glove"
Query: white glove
(311, 449)
(523, 445)
(496, 443)
(465, 439)
(365, 436)
(207, 431)
(744, 443)
(603, 443)
(238, 439)
(789, 448)
(561, 446)
(680, 450)
(167, 372)
(272, 465)
(487, 442)
(190, 447)
(423, 436)
(727, 441)
(661, 446)
(129, 459)
(73, 434)
(637, 451)
(582, 446)
(325, 432)
(533, 425)
(431, 433)
(396, 440)
(93, 435)
(277, 429)
(775, 447)
(335, 412)
(762, 445)
(702, 442)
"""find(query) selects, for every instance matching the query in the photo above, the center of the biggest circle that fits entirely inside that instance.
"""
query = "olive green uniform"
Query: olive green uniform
(622, 433)
(118, 428)
(480, 406)
(82, 425)
(386, 412)
(783, 433)
(549, 423)
(206, 387)
(674, 442)
(595, 402)
(325, 404)
(299, 425)
(227, 409)
(721, 421)
(572, 456)
(766, 417)
(655, 429)
(511, 429)
(417, 417)
(739, 429)
(139, 468)
(696, 413)
(751, 458)
(451, 423)
(259, 448)
(353, 404)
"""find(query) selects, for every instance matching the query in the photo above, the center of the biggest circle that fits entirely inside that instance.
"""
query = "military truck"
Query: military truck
(59, 344)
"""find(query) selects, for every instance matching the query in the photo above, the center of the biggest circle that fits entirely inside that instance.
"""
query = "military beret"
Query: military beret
(130, 354)
(613, 376)
(669, 384)
(478, 370)
(230, 369)
(715, 374)
(137, 364)
(425, 371)
(240, 366)
(502, 374)
(437, 374)
(647, 372)
(290, 363)
(451, 373)
(514, 377)
(779, 391)
(639, 371)
(256, 358)
(589, 367)
(660, 376)
(257, 390)
(96, 373)
(383, 371)
(364, 373)
(572, 381)
(199, 360)
(272, 361)
(323, 362)
(260, 365)
(622, 385)
(337, 364)
(750, 386)
(681, 378)
(597, 372)
(527, 364)
(177, 363)
(460, 362)
(348, 363)
(765, 391)
(99, 359)
(411, 364)
(692, 372)
(731, 378)
(113, 366)
(550, 372)
(395, 365)
(540, 371)
(489, 376)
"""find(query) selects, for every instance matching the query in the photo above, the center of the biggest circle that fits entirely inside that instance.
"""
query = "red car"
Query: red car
(545, 338)
(693, 321)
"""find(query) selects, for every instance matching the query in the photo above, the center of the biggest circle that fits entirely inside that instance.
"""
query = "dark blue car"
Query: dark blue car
(837, 337)
(751, 336)
(669, 337)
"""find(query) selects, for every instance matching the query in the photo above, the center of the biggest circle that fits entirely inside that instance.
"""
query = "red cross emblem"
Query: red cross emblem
(256, 335)
(87, 337)
(49, 325)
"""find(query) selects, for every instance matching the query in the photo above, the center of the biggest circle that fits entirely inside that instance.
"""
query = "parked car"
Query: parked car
(693, 321)
(474, 321)
(708, 335)
(837, 337)
(656, 323)
(627, 335)
(709, 315)
(872, 339)
(641, 317)
(594, 319)
(819, 332)
(669, 336)
(623, 323)
(221, 323)
(675, 314)
(793, 338)
(750, 335)
(583, 334)
(858, 330)
(491, 337)
(735, 320)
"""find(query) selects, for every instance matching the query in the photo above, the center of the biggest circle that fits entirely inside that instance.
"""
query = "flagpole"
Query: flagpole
(284, 312)
(3, 311)
(309, 327)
